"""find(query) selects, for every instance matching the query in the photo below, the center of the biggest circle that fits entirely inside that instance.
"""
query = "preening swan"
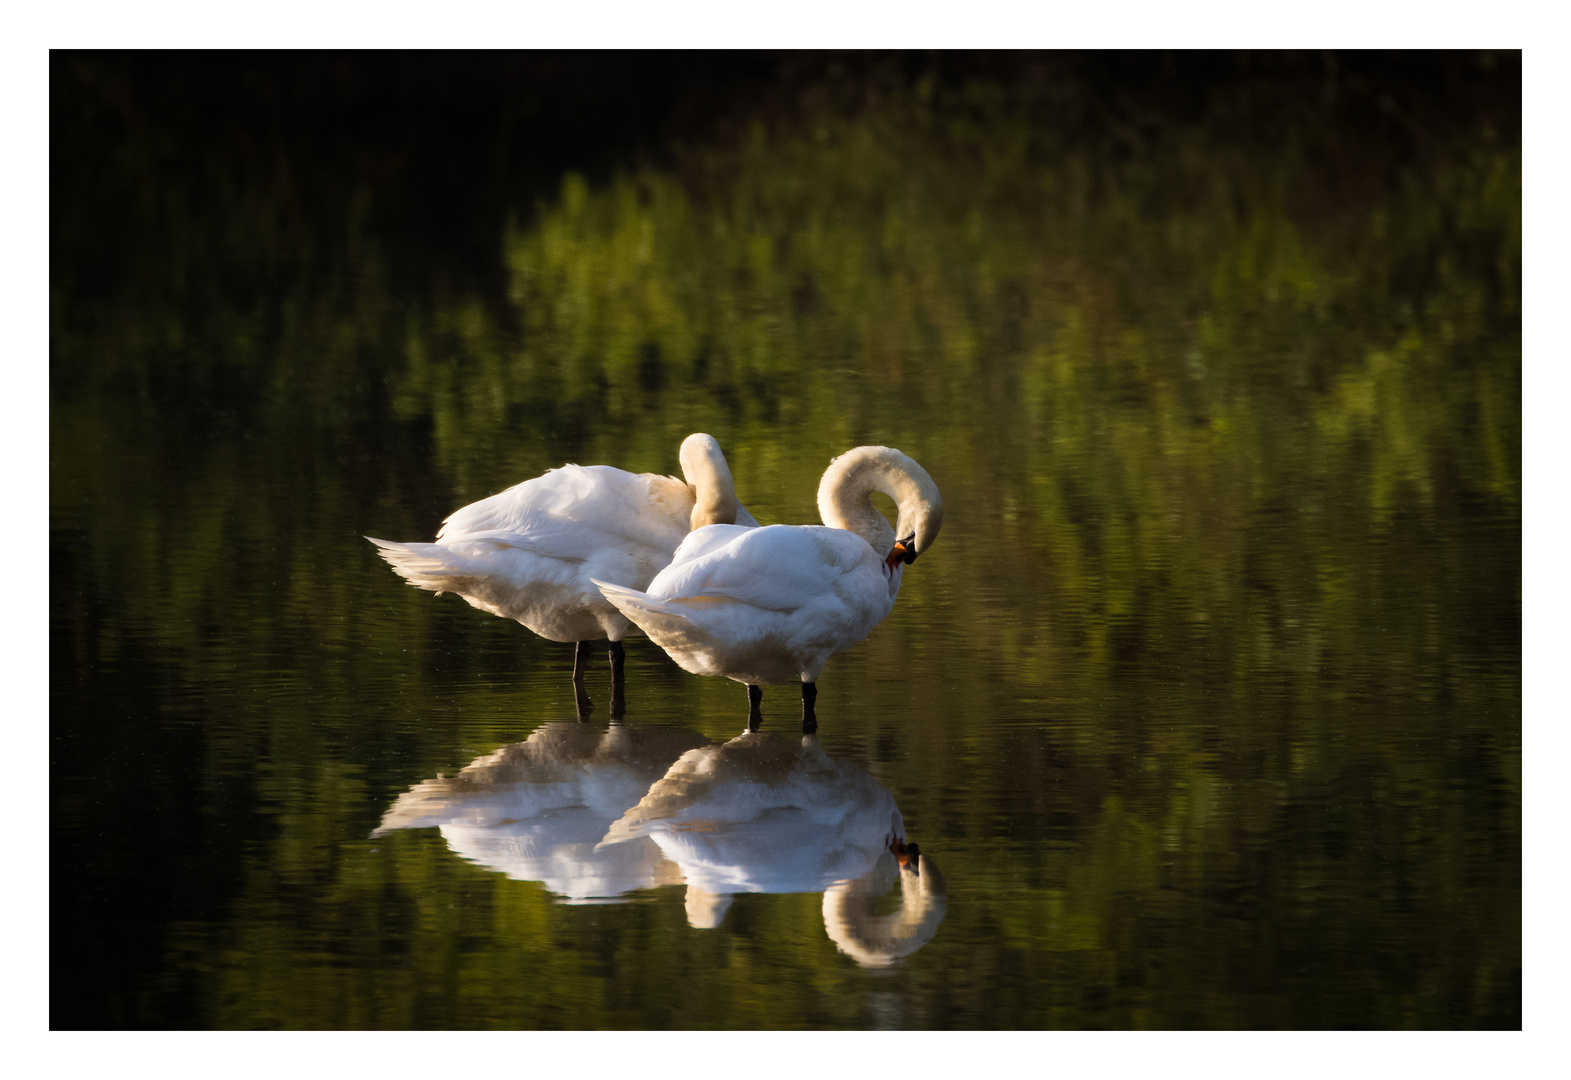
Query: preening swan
(762, 813)
(774, 604)
(533, 552)
(535, 810)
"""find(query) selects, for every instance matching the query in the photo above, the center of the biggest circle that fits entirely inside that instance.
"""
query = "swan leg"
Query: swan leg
(580, 662)
(618, 700)
(755, 717)
(809, 716)
(618, 654)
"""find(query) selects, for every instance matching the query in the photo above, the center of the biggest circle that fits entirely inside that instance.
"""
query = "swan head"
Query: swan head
(844, 503)
(706, 472)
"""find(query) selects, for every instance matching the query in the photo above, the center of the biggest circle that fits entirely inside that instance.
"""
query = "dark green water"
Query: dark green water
(1204, 709)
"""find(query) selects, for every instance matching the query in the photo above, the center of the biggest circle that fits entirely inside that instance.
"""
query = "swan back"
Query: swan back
(714, 493)
(561, 764)
(765, 812)
(844, 502)
(536, 809)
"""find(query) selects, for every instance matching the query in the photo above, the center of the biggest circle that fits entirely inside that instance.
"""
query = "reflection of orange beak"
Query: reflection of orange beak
(897, 555)
(905, 854)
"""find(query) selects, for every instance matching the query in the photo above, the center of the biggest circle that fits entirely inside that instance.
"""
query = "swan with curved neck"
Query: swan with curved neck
(774, 604)
(532, 553)
(844, 500)
(770, 813)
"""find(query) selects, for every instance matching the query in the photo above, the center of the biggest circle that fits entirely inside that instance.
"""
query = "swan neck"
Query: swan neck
(845, 495)
(853, 509)
(709, 478)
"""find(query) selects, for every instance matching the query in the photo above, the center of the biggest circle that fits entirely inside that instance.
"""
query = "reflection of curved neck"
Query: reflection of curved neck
(880, 940)
(706, 472)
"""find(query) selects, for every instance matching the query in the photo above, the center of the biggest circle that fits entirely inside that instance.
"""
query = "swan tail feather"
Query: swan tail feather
(633, 603)
(649, 614)
(426, 566)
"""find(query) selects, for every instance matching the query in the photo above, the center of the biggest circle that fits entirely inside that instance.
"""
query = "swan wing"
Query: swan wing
(777, 567)
(761, 605)
(564, 510)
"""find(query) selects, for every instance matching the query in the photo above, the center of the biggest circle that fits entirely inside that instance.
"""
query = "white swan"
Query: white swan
(533, 552)
(774, 604)
(762, 813)
(535, 810)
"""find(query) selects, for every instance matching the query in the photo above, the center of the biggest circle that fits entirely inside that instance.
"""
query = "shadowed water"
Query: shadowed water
(1206, 701)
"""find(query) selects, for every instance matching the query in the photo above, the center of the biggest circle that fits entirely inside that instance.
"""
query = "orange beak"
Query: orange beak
(903, 551)
(896, 555)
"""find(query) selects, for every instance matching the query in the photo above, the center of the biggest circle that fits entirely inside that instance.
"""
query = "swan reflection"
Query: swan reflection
(535, 810)
(774, 813)
(593, 813)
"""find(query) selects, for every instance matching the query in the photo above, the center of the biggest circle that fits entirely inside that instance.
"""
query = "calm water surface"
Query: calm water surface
(1204, 710)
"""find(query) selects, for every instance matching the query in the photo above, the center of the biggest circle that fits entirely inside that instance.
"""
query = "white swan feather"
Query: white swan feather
(773, 604)
(532, 553)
